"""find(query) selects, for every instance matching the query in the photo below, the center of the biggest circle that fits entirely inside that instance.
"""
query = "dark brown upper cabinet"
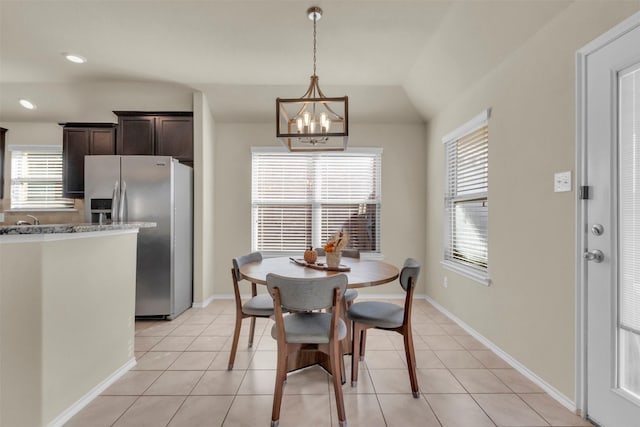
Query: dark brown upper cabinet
(79, 140)
(156, 133)
(2, 132)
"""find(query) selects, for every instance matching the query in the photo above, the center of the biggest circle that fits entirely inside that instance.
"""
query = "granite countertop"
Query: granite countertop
(71, 228)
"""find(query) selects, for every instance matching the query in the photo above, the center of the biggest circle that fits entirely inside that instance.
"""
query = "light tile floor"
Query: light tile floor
(181, 380)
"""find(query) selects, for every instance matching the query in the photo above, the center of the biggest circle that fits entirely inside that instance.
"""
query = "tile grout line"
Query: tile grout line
(262, 332)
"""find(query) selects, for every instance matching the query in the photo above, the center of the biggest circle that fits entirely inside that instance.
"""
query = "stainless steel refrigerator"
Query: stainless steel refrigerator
(149, 188)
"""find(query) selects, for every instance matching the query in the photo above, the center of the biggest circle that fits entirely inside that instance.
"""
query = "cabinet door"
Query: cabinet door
(136, 136)
(75, 145)
(103, 141)
(174, 137)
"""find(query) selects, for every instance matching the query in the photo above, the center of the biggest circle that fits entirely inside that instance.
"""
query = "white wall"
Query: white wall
(528, 311)
(403, 195)
(203, 188)
(20, 133)
(27, 134)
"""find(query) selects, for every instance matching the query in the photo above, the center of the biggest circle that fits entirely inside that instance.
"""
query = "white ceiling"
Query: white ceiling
(397, 60)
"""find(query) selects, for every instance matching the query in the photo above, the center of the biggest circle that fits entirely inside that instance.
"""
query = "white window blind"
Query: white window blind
(629, 187)
(466, 199)
(300, 199)
(36, 178)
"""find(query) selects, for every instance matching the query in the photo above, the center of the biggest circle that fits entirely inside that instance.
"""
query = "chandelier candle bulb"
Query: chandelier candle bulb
(324, 123)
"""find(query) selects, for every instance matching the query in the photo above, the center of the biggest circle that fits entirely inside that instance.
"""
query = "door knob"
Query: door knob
(595, 255)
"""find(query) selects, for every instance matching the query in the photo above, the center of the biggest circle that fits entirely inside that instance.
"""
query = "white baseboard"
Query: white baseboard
(390, 296)
(66, 415)
(552, 391)
(204, 303)
(229, 296)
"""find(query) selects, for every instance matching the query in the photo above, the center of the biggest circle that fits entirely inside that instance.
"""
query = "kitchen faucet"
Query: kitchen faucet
(36, 221)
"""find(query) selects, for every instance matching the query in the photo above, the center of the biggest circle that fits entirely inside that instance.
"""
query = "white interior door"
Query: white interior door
(611, 227)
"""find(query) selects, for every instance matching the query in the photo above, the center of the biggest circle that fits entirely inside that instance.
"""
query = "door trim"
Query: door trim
(582, 54)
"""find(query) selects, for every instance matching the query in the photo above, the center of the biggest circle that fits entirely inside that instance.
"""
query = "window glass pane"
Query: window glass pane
(630, 362)
(469, 158)
(348, 179)
(469, 243)
(277, 177)
(359, 221)
(282, 228)
(629, 232)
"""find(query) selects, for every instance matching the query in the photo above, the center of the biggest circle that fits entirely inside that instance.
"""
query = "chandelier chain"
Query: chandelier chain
(314, 44)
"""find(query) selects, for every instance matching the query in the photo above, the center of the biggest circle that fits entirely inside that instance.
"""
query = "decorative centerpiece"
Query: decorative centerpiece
(333, 249)
(310, 256)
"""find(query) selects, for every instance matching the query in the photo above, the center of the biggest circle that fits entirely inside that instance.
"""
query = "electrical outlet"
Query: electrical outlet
(562, 182)
(446, 282)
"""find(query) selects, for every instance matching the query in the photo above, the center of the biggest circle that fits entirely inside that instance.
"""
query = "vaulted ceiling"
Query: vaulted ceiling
(397, 60)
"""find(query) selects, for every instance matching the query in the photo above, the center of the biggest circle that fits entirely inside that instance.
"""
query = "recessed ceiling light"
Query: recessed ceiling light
(27, 104)
(76, 59)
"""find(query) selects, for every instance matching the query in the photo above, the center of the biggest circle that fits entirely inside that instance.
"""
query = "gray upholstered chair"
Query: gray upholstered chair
(304, 328)
(351, 253)
(351, 294)
(257, 306)
(387, 316)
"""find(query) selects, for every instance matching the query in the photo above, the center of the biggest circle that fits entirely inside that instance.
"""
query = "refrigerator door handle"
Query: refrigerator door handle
(123, 195)
(114, 203)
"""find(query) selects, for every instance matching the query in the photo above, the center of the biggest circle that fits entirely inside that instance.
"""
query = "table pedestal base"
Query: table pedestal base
(309, 356)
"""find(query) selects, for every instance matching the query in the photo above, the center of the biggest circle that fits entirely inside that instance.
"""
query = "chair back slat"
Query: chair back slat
(304, 294)
(351, 253)
(409, 273)
(347, 253)
(242, 260)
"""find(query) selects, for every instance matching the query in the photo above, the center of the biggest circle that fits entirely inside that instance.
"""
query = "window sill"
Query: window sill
(371, 256)
(41, 210)
(468, 272)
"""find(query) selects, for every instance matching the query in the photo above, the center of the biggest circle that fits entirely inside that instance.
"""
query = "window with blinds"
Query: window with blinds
(36, 178)
(466, 197)
(301, 199)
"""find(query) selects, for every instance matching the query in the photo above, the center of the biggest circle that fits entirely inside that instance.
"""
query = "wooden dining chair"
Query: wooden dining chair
(256, 306)
(305, 329)
(351, 294)
(386, 316)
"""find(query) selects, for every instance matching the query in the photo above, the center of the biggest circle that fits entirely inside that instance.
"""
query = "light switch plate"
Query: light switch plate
(562, 182)
(1, 216)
